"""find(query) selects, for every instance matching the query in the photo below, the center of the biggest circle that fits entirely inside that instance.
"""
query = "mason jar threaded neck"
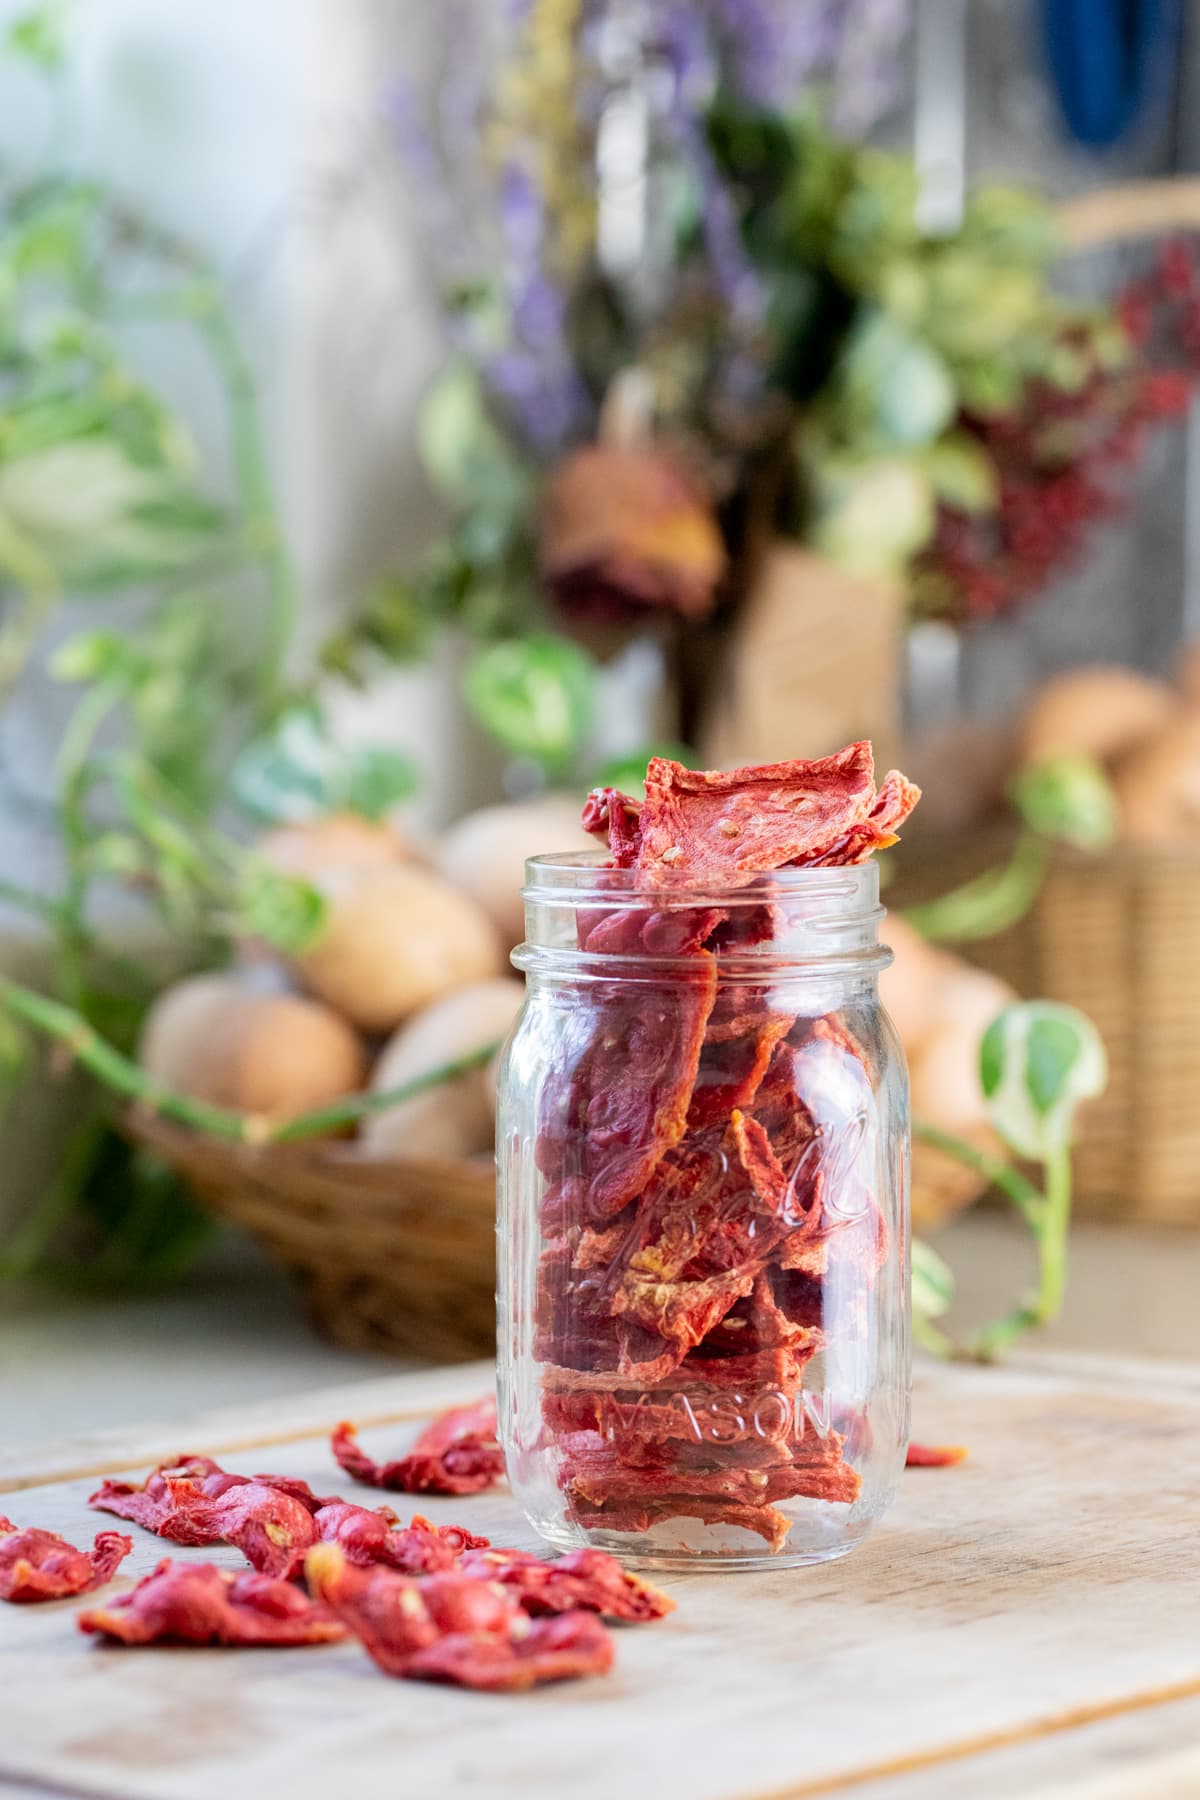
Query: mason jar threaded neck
(798, 918)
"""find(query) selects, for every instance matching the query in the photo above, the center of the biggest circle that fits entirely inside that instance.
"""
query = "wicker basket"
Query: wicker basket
(397, 1256)
(1118, 936)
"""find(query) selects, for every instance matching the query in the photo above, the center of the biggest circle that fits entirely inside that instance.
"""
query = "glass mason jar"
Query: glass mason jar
(703, 1152)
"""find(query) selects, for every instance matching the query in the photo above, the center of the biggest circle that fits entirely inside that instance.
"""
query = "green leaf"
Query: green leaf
(872, 514)
(15, 1049)
(932, 1282)
(962, 473)
(991, 1060)
(536, 696)
(1052, 1048)
(90, 656)
(98, 516)
(40, 35)
(465, 455)
(52, 237)
(299, 773)
(117, 853)
(1011, 225)
(276, 779)
(891, 388)
(375, 779)
(1038, 1062)
(1069, 799)
(287, 912)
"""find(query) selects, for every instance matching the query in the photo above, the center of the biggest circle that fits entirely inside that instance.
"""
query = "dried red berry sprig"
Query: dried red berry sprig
(1063, 456)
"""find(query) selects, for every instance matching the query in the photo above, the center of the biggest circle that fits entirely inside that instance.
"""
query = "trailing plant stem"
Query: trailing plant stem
(989, 903)
(123, 1076)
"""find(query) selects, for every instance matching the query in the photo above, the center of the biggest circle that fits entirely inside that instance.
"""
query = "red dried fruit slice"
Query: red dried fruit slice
(195, 1501)
(935, 1456)
(597, 1471)
(636, 932)
(618, 1099)
(456, 1628)
(375, 1536)
(458, 1454)
(739, 1043)
(295, 1488)
(196, 1603)
(172, 1502)
(741, 822)
(588, 1580)
(613, 818)
(269, 1527)
(878, 831)
(766, 1522)
(40, 1565)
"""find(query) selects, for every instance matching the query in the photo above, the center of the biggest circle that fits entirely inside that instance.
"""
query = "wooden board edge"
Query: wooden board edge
(390, 1400)
(962, 1750)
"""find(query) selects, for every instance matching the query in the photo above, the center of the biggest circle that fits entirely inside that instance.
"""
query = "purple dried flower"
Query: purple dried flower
(772, 51)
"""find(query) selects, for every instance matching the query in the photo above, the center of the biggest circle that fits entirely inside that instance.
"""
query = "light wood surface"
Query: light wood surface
(1022, 1625)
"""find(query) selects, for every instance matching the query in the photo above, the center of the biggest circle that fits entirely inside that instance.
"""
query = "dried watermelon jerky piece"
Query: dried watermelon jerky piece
(600, 1471)
(639, 1516)
(175, 1501)
(41, 1565)
(375, 1536)
(194, 1501)
(739, 1043)
(878, 831)
(196, 1603)
(613, 818)
(270, 1528)
(294, 1488)
(456, 1628)
(584, 1580)
(617, 1104)
(935, 1456)
(458, 1454)
(701, 1233)
(743, 822)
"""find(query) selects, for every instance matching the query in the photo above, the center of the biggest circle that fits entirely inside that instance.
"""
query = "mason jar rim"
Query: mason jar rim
(825, 921)
(585, 877)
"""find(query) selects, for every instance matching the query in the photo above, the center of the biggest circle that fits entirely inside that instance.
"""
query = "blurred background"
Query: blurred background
(412, 415)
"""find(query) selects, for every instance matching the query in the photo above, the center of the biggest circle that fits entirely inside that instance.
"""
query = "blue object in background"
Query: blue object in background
(1102, 55)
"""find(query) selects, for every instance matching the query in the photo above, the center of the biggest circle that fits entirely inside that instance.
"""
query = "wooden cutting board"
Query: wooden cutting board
(1027, 1624)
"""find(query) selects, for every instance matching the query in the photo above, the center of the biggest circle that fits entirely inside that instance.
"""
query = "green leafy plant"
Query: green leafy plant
(1039, 1062)
(102, 498)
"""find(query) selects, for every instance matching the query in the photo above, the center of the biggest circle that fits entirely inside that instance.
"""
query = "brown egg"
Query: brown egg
(1187, 672)
(909, 987)
(456, 1117)
(1102, 711)
(393, 940)
(1158, 788)
(484, 853)
(338, 841)
(944, 1073)
(269, 1055)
